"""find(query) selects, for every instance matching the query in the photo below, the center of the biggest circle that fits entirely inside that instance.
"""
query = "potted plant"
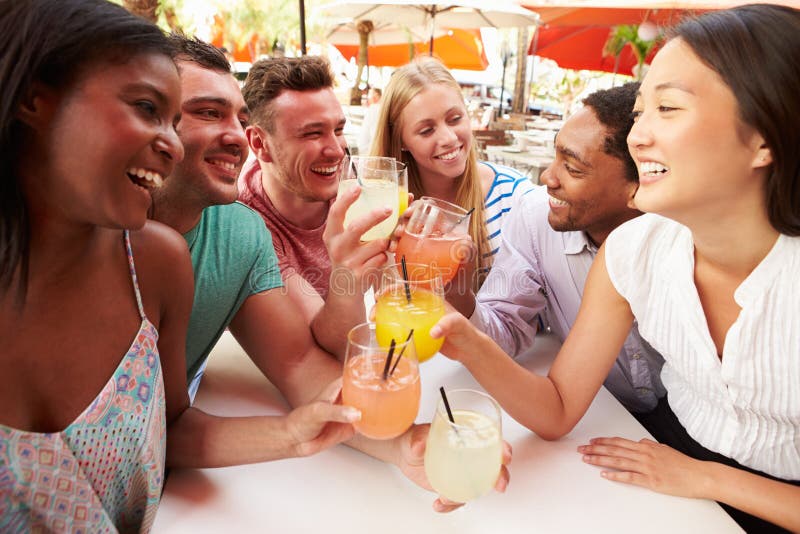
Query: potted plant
(631, 35)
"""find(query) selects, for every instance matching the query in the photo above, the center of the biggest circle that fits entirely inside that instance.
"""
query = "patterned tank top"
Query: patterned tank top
(104, 472)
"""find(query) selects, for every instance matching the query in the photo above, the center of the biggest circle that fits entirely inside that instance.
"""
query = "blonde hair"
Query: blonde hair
(406, 82)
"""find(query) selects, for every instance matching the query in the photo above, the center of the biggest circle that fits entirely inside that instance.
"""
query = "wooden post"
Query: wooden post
(521, 89)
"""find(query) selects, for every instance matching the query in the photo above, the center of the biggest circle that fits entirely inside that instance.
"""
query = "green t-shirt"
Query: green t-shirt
(233, 258)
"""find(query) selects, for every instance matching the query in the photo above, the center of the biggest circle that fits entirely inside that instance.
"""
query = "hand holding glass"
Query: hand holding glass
(378, 179)
(382, 381)
(463, 458)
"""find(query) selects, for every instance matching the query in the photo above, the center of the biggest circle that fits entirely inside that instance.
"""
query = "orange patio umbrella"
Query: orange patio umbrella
(457, 49)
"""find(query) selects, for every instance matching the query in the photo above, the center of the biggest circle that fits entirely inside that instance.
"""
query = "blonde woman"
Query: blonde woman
(424, 122)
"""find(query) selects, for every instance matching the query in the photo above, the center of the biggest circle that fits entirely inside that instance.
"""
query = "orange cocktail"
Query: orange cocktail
(440, 254)
(433, 237)
(382, 382)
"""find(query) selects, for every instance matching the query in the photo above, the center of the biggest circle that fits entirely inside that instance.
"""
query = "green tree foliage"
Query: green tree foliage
(259, 24)
(269, 23)
(628, 35)
(165, 13)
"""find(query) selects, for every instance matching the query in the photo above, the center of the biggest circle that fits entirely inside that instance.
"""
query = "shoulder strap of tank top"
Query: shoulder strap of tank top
(127, 236)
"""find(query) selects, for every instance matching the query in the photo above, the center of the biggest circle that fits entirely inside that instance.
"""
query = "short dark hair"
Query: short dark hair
(614, 109)
(198, 51)
(268, 78)
(755, 49)
(52, 42)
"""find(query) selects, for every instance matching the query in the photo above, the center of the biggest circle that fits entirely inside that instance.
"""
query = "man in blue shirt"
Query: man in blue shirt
(552, 236)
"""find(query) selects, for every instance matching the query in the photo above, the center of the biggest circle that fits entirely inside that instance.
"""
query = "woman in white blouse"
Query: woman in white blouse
(710, 274)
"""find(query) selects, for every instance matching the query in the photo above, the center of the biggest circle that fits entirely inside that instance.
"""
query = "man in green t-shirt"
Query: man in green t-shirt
(236, 273)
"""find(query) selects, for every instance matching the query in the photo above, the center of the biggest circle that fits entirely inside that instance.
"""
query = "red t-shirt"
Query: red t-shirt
(299, 250)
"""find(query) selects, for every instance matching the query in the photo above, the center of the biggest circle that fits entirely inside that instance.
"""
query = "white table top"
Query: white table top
(530, 162)
(344, 491)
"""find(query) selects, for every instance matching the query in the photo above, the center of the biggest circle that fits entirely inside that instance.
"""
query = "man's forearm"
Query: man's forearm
(338, 315)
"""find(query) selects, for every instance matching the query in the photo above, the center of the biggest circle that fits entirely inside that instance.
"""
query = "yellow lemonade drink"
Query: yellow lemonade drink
(462, 461)
(374, 194)
(402, 197)
(402, 186)
(388, 406)
(395, 316)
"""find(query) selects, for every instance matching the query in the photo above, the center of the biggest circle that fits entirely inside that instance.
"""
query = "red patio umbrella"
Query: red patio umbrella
(612, 16)
(574, 32)
(574, 36)
(579, 48)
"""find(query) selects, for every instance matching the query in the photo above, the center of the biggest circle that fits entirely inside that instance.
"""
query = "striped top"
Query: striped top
(507, 186)
(746, 406)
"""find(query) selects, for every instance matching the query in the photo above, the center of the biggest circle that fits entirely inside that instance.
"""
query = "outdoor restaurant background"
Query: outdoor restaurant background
(574, 33)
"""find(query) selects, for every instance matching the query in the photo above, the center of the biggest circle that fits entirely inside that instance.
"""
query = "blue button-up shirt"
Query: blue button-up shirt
(541, 272)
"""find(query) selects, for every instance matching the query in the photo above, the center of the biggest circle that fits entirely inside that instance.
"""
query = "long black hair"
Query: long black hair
(52, 42)
(756, 50)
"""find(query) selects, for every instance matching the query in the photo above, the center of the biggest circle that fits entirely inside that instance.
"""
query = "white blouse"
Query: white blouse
(747, 406)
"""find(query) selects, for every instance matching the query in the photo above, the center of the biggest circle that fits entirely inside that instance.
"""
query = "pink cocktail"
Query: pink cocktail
(434, 237)
(382, 381)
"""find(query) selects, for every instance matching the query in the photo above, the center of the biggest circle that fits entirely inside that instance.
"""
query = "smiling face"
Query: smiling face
(304, 152)
(436, 131)
(588, 189)
(107, 142)
(695, 157)
(213, 119)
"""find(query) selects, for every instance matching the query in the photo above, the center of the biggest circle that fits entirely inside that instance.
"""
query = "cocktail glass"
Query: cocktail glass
(386, 391)
(463, 458)
(431, 236)
(402, 187)
(416, 303)
(378, 179)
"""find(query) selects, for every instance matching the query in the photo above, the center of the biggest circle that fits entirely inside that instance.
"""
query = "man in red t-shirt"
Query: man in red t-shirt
(296, 133)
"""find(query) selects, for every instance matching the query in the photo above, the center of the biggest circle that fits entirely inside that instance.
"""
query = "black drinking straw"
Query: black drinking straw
(462, 219)
(351, 164)
(388, 360)
(446, 405)
(410, 333)
(405, 278)
(465, 215)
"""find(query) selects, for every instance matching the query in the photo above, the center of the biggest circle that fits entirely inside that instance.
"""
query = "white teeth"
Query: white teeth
(325, 170)
(557, 202)
(224, 164)
(449, 155)
(145, 178)
(651, 168)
